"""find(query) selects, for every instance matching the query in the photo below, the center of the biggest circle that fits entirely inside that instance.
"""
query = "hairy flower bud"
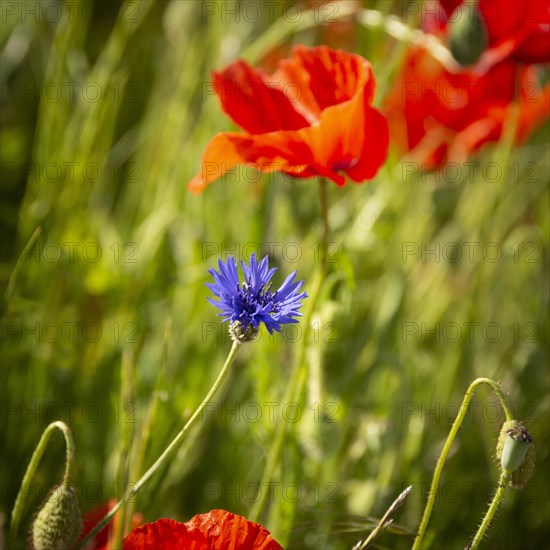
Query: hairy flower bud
(516, 453)
(468, 37)
(58, 524)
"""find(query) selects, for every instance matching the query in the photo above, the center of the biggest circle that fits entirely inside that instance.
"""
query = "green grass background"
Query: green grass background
(146, 132)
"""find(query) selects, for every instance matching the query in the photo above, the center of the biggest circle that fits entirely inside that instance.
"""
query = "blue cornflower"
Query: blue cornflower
(252, 302)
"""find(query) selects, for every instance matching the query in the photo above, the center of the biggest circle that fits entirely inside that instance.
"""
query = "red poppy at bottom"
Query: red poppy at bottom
(216, 530)
(311, 117)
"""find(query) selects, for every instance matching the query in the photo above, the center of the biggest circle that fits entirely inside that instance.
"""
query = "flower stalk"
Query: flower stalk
(324, 216)
(447, 447)
(292, 394)
(171, 447)
(18, 507)
(493, 507)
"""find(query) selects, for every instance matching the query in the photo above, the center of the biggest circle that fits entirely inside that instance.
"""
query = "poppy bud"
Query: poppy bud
(240, 334)
(468, 37)
(516, 453)
(58, 524)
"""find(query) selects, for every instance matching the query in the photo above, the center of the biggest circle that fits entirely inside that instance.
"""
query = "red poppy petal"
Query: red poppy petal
(217, 530)
(254, 101)
(272, 152)
(166, 534)
(351, 136)
(335, 76)
(225, 530)
(375, 147)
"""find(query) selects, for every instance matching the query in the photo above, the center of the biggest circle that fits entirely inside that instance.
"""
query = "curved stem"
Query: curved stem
(166, 453)
(447, 447)
(19, 505)
(493, 507)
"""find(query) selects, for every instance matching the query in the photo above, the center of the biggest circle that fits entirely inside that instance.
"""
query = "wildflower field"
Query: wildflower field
(390, 159)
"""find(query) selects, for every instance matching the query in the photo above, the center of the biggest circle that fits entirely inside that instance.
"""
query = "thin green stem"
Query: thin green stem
(297, 374)
(19, 505)
(493, 507)
(19, 264)
(387, 519)
(171, 447)
(447, 447)
(324, 216)
(292, 393)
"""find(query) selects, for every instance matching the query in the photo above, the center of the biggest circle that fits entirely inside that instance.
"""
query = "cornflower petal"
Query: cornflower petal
(253, 301)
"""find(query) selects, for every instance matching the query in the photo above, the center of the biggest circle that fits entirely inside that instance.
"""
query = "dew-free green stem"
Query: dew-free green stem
(168, 451)
(293, 390)
(19, 264)
(386, 520)
(19, 505)
(324, 217)
(297, 375)
(447, 447)
(493, 507)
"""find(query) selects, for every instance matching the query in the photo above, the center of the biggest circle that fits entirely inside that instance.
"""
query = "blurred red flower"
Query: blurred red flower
(444, 117)
(517, 29)
(313, 116)
(216, 530)
(94, 516)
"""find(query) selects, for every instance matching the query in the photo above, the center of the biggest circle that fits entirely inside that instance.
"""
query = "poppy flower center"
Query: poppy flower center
(345, 164)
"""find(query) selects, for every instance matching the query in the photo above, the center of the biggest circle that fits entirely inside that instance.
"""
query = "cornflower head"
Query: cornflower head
(252, 302)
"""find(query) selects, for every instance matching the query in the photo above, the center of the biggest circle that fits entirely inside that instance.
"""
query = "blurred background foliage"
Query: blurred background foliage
(101, 160)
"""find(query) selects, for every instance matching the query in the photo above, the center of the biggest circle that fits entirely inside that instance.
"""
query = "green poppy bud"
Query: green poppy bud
(516, 453)
(468, 37)
(58, 524)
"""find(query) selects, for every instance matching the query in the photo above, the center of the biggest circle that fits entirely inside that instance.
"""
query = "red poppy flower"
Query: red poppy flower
(217, 530)
(443, 116)
(313, 116)
(517, 29)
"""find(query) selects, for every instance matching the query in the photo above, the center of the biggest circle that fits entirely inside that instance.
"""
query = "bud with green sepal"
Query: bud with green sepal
(468, 37)
(58, 524)
(516, 453)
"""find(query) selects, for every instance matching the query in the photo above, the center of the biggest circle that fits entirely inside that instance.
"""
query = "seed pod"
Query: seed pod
(516, 453)
(58, 524)
(468, 37)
